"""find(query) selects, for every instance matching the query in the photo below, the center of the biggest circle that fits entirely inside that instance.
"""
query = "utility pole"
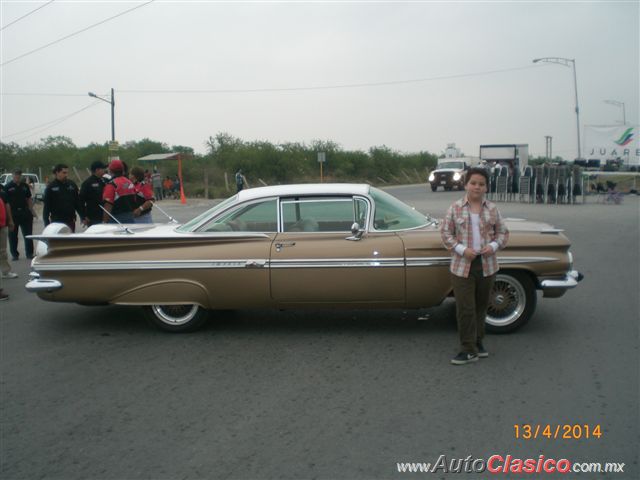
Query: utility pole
(113, 111)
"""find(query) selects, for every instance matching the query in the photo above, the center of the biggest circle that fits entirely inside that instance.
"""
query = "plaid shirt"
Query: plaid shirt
(456, 229)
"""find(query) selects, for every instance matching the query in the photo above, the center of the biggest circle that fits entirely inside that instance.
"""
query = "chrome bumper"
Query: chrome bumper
(569, 281)
(37, 284)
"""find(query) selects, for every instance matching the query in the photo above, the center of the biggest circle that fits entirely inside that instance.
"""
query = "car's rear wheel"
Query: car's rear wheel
(511, 303)
(176, 318)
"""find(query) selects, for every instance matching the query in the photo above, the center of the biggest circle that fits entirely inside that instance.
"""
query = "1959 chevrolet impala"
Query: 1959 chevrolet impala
(293, 246)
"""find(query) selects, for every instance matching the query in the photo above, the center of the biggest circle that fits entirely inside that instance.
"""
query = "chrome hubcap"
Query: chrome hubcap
(175, 314)
(507, 301)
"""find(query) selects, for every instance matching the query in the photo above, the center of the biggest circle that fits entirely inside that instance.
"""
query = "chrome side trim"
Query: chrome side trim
(338, 263)
(141, 236)
(263, 262)
(428, 261)
(569, 281)
(512, 260)
(152, 265)
(439, 261)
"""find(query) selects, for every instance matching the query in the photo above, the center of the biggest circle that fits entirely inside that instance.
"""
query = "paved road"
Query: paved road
(96, 393)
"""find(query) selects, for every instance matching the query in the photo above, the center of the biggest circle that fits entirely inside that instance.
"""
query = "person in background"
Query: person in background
(167, 185)
(61, 200)
(6, 224)
(31, 186)
(156, 181)
(118, 195)
(18, 197)
(143, 198)
(239, 180)
(176, 187)
(473, 230)
(91, 195)
(4, 218)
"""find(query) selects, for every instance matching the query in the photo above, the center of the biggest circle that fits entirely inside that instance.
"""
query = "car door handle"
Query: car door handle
(280, 246)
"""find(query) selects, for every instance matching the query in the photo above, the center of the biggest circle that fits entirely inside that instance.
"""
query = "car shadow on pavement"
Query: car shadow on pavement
(117, 319)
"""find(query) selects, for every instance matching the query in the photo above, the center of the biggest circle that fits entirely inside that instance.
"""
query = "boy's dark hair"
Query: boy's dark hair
(476, 171)
(59, 167)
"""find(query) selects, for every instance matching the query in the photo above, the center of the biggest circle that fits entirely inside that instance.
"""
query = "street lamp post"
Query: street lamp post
(619, 104)
(566, 62)
(113, 105)
(548, 139)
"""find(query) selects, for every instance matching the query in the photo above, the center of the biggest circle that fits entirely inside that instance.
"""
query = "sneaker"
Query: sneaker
(3, 296)
(482, 352)
(15, 259)
(463, 358)
(10, 275)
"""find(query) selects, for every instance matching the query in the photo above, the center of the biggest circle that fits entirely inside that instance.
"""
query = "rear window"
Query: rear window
(322, 214)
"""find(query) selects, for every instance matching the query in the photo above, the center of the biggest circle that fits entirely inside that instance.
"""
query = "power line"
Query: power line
(50, 124)
(27, 94)
(334, 87)
(74, 33)
(26, 15)
(294, 89)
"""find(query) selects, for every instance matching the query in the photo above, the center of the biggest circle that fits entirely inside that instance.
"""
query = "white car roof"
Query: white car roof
(304, 189)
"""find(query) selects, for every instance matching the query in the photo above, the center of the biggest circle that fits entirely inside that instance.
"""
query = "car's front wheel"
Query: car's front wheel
(434, 188)
(176, 318)
(511, 303)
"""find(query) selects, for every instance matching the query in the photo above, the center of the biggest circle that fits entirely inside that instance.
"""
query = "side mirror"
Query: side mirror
(356, 232)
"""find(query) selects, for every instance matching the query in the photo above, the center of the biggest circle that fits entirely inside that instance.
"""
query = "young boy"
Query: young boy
(473, 230)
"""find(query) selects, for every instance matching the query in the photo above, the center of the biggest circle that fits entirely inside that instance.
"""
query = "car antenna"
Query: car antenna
(125, 229)
(171, 219)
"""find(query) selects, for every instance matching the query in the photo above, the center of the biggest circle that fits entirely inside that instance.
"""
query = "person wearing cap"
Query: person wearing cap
(91, 195)
(61, 200)
(19, 199)
(118, 195)
(144, 196)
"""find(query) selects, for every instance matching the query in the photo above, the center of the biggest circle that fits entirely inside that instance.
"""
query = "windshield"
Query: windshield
(191, 224)
(392, 214)
(456, 165)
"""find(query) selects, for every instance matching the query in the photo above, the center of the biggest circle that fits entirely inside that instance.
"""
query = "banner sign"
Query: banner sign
(611, 142)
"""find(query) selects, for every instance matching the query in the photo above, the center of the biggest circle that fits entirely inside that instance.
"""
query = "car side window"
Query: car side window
(391, 214)
(254, 217)
(322, 214)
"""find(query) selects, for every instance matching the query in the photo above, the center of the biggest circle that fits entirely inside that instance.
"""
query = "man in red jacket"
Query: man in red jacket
(119, 195)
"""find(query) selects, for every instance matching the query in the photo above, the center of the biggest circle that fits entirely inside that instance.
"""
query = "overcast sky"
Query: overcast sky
(232, 48)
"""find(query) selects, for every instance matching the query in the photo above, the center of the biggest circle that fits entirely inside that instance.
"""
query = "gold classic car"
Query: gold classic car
(292, 246)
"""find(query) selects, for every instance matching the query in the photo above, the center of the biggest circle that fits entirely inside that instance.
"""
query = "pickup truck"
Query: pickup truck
(449, 173)
(38, 188)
